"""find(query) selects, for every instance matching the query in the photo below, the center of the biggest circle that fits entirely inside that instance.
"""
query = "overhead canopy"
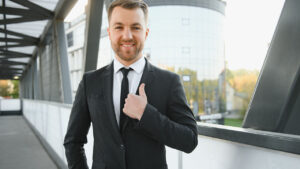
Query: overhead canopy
(23, 25)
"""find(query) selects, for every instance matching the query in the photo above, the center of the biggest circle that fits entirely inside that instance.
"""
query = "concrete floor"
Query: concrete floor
(19, 147)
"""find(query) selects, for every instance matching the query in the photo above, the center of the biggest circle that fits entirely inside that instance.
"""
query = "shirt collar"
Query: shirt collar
(137, 66)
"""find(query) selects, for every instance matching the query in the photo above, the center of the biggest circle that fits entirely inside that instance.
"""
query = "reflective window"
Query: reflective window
(70, 39)
(195, 44)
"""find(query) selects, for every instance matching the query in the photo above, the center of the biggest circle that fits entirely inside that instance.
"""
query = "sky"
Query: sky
(249, 27)
(77, 10)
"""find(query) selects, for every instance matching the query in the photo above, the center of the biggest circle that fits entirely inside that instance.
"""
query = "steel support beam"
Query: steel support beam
(63, 60)
(8, 56)
(13, 54)
(36, 82)
(62, 9)
(21, 94)
(18, 34)
(22, 12)
(18, 40)
(18, 45)
(12, 62)
(275, 103)
(4, 18)
(92, 34)
(10, 74)
(107, 3)
(5, 65)
(10, 68)
(32, 6)
(21, 19)
(30, 83)
(6, 77)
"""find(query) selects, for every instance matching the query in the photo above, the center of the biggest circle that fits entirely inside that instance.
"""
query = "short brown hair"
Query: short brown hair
(128, 4)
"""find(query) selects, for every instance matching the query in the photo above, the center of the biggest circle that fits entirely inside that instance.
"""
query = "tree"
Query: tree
(243, 81)
(200, 92)
(9, 88)
(15, 92)
(4, 88)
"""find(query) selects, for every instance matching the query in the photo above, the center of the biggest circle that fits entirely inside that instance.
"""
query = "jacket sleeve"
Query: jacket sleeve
(176, 129)
(78, 127)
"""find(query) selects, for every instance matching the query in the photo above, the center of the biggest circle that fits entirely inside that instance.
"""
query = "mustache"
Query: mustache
(127, 41)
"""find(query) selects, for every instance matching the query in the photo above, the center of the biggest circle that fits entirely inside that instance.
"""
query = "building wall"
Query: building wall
(181, 37)
(192, 38)
(234, 103)
(75, 41)
(49, 72)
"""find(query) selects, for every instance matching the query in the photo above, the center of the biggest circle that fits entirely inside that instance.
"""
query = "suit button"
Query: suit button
(122, 147)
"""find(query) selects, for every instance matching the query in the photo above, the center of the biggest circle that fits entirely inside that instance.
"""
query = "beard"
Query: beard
(130, 54)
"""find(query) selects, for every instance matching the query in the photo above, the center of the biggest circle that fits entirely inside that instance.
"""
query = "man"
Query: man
(130, 130)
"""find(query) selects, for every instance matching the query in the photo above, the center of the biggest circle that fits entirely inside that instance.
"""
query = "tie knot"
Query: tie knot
(125, 71)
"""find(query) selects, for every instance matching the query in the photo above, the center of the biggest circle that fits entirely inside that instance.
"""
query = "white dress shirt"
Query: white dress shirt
(134, 77)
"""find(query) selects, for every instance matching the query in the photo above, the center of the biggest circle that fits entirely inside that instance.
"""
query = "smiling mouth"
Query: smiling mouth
(127, 45)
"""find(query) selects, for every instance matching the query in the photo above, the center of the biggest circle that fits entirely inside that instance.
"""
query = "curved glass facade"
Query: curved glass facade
(192, 38)
(189, 41)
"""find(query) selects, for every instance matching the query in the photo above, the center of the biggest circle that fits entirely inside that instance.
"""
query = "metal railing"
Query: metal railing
(218, 146)
(10, 107)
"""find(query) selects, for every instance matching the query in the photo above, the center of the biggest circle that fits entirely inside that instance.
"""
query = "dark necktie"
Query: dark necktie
(124, 93)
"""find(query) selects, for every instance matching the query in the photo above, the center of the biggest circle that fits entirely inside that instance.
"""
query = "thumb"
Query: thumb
(142, 90)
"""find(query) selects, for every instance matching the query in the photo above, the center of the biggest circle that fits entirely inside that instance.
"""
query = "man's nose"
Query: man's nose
(127, 34)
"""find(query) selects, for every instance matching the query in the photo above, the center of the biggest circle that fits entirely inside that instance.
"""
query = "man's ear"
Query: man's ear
(108, 32)
(147, 32)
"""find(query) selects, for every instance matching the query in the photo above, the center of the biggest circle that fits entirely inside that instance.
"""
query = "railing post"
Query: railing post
(179, 160)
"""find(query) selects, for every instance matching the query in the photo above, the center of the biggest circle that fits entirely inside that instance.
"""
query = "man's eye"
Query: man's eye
(118, 27)
(136, 28)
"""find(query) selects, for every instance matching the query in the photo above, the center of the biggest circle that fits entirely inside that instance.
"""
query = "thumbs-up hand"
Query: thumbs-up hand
(135, 104)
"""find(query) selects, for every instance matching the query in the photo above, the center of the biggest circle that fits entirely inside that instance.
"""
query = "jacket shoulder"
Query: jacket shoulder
(96, 73)
(164, 73)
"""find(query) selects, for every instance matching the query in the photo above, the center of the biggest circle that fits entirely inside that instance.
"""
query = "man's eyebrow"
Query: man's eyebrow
(136, 24)
(118, 23)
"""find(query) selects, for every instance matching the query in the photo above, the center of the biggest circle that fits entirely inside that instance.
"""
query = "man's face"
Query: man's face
(127, 32)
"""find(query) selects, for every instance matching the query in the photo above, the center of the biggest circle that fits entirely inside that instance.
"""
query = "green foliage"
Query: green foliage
(243, 81)
(15, 92)
(233, 122)
(7, 91)
(4, 90)
(196, 90)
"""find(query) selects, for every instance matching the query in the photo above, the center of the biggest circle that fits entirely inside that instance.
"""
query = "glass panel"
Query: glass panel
(218, 63)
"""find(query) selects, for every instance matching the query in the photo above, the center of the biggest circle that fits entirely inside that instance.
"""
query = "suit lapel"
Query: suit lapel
(147, 77)
(108, 91)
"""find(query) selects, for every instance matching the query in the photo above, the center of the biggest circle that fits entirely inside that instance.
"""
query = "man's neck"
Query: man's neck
(127, 63)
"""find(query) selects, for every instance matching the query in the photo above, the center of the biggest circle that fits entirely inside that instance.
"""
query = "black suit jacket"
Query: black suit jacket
(167, 120)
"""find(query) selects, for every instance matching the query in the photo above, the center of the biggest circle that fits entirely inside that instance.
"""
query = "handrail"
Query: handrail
(51, 103)
(266, 139)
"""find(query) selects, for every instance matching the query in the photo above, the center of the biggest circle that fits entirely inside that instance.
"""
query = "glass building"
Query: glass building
(186, 37)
